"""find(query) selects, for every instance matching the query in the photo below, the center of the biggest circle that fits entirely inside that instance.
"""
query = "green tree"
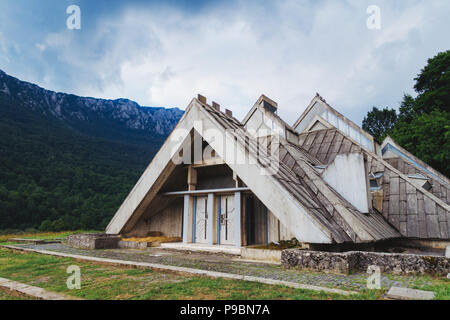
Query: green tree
(379, 123)
(427, 137)
(423, 123)
(406, 110)
(433, 85)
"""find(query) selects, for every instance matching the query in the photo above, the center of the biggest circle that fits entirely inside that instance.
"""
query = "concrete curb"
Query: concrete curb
(183, 270)
(397, 293)
(31, 291)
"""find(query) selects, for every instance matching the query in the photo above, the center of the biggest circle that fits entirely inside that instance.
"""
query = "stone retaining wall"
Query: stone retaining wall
(93, 241)
(359, 261)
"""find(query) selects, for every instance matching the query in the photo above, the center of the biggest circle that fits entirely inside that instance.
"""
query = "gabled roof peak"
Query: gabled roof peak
(266, 99)
(320, 97)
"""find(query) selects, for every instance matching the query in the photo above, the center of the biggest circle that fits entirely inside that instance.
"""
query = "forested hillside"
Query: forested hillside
(67, 164)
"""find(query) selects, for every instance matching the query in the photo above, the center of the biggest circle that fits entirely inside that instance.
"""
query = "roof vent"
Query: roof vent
(216, 106)
(229, 113)
(201, 98)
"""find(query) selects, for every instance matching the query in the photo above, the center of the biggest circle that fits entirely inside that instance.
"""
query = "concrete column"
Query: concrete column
(194, 218)
(219, 212)
(237, 219)
(210, 226)
(186, 219)
(192, 178)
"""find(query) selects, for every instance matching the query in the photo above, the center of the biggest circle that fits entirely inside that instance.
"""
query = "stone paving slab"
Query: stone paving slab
(32, 291)
(409, 294)
(222, 263)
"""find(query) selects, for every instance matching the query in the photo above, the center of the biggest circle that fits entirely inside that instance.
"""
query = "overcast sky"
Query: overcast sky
(162, 53)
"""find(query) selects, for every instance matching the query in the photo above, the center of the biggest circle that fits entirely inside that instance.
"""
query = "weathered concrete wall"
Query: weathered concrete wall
(168, 220)
(359, 261)
(317, 110)
(277, 231)
(347, 175)
(261, 254)
(93, 241)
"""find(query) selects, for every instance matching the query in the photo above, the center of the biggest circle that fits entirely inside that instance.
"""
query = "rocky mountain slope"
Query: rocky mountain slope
(67, 162)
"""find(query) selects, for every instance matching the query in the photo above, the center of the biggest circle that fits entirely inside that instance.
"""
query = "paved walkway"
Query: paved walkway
(31, 291)
(231, 265)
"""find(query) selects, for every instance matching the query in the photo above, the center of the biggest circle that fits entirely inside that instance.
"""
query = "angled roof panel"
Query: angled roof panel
(403, 206)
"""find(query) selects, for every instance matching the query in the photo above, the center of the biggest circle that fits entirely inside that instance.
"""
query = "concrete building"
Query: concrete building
(323, 181)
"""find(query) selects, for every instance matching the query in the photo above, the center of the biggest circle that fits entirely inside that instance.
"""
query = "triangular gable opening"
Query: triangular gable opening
(214, 181)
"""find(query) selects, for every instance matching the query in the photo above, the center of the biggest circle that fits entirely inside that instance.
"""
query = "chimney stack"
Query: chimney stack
(229, 113)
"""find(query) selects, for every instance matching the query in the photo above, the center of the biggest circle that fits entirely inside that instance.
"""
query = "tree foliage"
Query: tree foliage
(423, 122)
(55, 178)
(428, 137)
(433, 85)
(379, 123)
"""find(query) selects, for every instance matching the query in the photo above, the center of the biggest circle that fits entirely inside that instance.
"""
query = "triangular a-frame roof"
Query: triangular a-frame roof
(275, 196)
(307, 118)
(295, 192)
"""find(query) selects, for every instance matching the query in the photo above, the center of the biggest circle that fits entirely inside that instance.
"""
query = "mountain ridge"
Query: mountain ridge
(70, 107)
(67, 162)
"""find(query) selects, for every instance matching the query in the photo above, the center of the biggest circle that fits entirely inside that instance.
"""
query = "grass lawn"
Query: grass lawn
(110, 282)
(42, 235)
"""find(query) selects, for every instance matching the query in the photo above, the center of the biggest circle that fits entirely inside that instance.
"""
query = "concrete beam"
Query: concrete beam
(205, 192)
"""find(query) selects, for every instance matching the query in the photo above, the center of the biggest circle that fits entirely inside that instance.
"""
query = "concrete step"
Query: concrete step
(32, 291)
(398, 293)
(202, 248)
